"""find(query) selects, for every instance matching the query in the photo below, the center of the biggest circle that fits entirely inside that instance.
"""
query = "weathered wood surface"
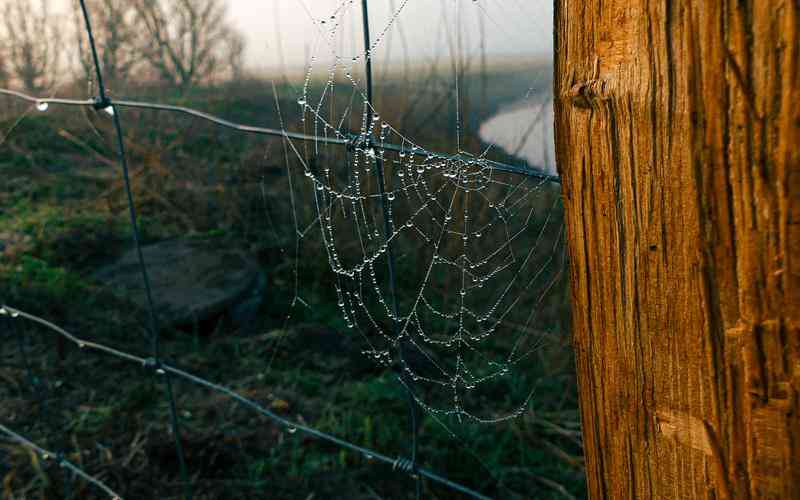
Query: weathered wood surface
(678, 142)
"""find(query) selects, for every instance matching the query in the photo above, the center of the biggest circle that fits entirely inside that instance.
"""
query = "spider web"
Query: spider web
(478, 250)
(439, 264)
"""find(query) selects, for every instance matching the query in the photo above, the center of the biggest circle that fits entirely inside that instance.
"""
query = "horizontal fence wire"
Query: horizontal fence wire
(62, 462)
(347, 140)
(399, 464)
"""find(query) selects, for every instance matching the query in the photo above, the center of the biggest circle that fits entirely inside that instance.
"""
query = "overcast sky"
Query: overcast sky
(512, 27)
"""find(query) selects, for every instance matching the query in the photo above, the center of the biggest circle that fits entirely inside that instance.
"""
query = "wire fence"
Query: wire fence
(167, 373)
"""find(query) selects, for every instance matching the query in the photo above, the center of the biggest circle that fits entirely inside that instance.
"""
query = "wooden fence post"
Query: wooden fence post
(678, 142)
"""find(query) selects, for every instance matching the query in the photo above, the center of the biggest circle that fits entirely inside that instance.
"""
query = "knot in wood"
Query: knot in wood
(582, 94)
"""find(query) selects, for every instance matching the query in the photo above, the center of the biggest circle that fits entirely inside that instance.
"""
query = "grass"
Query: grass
(66, 212)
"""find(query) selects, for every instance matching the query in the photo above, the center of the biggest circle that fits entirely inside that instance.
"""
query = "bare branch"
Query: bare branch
(32, 44)
(118, 38)
(189, 40)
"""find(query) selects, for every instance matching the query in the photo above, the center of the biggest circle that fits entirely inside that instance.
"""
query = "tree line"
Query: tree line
(180, 43)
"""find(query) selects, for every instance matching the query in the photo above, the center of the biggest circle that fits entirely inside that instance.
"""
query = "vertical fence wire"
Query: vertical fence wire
(390, 257)
(104, 102)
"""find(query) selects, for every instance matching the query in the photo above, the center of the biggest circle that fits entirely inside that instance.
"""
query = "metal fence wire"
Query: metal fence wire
(165, 372)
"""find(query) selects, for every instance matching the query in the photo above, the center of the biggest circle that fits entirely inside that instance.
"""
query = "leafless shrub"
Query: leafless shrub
(234, 46)
(4, 77)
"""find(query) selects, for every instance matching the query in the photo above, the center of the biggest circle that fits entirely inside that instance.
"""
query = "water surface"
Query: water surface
(525, 129)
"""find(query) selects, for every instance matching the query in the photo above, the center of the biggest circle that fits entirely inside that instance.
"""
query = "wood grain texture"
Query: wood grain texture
(678, 142)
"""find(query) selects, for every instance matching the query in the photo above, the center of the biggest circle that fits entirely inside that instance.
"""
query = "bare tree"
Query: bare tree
(118, 38)
(190, 40)
(32, 43)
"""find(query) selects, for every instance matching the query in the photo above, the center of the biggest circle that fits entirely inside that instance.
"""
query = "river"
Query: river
(525, 129)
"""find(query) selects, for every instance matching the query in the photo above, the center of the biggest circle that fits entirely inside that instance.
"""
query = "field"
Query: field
(63, 215)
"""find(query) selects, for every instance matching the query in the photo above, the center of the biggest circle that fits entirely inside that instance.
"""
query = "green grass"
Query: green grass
(111, 416)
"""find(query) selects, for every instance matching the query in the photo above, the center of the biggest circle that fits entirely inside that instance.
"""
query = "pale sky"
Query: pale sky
(512, 27)
(518, 27)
